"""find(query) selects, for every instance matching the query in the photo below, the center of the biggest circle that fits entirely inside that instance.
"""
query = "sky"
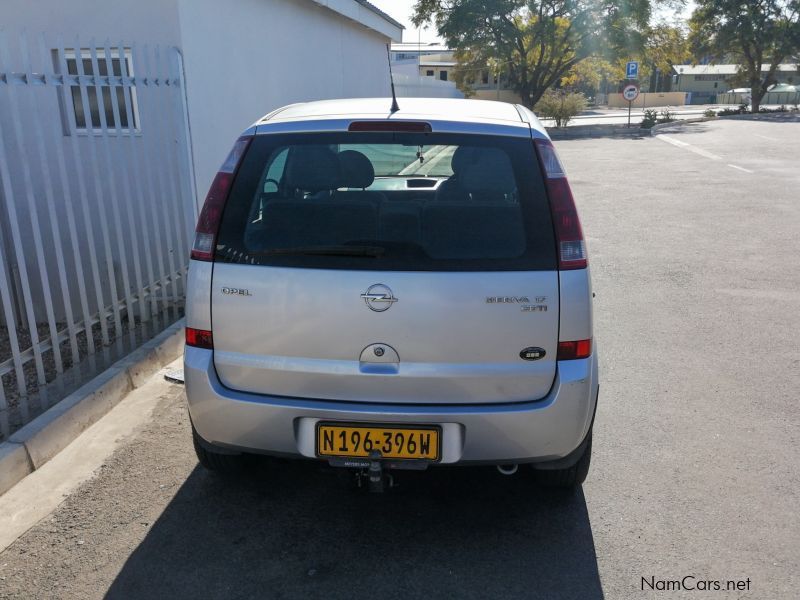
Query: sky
(401, 10)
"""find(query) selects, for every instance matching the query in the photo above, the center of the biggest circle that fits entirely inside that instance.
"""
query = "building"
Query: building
(241, 58)
(114, 119)
(424, 70)
(704, 82)
(427, 60)
(434, 61)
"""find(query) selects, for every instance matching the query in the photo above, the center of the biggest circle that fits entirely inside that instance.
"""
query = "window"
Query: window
(443, 75)
(484, 77)
(98, 95)
(429, 73)
(388, 201)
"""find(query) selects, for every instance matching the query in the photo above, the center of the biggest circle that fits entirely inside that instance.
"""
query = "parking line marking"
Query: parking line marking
(688, 147)
(672, 141)
(740, 168)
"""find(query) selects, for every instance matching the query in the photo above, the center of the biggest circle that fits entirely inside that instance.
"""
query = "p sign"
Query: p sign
(632, 70)
(630, 92)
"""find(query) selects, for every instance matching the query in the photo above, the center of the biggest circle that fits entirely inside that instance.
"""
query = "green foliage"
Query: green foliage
(741, 110)
(667, 116)
(709, 113)
(560, 106)
(535, 43)
(667, 45)
(752, 32)
(588, 75)
(650, 119)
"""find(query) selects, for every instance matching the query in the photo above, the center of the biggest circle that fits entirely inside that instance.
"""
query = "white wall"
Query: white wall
(246, 58)
(416, 86)
(150, 22)
(141, 21)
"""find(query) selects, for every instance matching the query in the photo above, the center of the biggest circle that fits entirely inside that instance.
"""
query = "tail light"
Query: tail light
(199, 338)
(573, 350)
(404, 126)
(205, 237)
(569, 235)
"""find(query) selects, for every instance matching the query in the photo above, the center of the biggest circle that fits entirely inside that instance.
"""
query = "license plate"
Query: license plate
(361, 441)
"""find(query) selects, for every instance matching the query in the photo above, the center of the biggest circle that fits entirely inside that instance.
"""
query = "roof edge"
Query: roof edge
(366, 14)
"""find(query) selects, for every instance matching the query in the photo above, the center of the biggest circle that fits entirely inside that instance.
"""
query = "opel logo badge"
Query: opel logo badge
(379, 297)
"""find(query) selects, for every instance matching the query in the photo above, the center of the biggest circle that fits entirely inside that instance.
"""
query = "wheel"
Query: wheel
(569, 477)
(222, 462)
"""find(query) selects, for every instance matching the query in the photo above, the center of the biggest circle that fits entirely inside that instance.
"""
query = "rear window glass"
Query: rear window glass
(388, 201)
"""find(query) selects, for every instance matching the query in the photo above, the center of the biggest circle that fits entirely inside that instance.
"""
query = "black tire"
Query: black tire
(224, 464)
(570, 477)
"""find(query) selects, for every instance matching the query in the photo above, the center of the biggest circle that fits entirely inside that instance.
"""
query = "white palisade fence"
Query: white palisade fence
(96, 210)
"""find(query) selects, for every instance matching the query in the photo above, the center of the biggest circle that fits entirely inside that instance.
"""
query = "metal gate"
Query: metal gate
(96, 210)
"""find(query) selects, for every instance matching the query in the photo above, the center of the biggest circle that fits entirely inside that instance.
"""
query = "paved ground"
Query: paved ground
(696, 460)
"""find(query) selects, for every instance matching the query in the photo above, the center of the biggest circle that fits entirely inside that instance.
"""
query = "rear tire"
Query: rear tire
(218, 462)
(570, 477)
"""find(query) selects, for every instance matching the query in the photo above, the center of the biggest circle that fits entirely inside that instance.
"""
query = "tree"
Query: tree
(534, 43)
(759, 34)
(666, 45)
(589, 75)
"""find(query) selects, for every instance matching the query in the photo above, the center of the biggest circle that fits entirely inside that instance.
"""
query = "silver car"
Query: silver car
(388, 290)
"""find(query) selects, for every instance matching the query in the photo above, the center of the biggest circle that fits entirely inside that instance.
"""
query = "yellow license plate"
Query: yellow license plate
(361, 441)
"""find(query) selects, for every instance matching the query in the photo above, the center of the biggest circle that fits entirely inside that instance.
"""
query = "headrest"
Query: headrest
(357, 170)
(313, 169)
(461, 159)
(485, 170)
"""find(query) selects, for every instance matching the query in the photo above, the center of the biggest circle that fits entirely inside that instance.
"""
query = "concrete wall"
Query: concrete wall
(505, 95)
(648, 99)
(246, 58)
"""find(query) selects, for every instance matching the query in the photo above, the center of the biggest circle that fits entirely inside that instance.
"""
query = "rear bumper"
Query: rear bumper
(544, 430)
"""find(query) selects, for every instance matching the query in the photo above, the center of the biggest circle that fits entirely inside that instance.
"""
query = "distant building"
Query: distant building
(424, 70)
(434, 61)
(704, 82)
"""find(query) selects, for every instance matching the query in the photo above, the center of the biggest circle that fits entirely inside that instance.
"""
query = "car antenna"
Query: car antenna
(395, 107)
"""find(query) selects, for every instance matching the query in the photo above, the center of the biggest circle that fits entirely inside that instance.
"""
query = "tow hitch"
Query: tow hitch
(376, 478)
(374, 473)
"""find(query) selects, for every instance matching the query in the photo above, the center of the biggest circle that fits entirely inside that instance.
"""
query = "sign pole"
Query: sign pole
(630, 93)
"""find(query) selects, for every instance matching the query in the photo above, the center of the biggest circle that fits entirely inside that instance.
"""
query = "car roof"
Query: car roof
(434, 110)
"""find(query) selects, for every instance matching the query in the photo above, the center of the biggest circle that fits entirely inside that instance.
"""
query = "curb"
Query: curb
(655, 128)
(590, 131)
(40, 440)
(790, 116)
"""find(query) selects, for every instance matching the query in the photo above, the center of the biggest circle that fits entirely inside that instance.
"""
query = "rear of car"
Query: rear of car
(398, 292)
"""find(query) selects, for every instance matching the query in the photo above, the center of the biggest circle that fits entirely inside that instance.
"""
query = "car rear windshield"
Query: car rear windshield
(389, 201)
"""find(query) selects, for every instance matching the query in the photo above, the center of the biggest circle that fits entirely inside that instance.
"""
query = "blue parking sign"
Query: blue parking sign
(632, 70)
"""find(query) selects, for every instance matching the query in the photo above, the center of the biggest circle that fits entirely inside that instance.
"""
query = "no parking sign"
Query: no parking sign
(630, 92)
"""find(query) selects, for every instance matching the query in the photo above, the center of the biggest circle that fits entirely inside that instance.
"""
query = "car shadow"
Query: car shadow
(287, 530)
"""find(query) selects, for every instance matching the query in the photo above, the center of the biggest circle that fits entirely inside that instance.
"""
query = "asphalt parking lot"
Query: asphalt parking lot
(694, 238)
